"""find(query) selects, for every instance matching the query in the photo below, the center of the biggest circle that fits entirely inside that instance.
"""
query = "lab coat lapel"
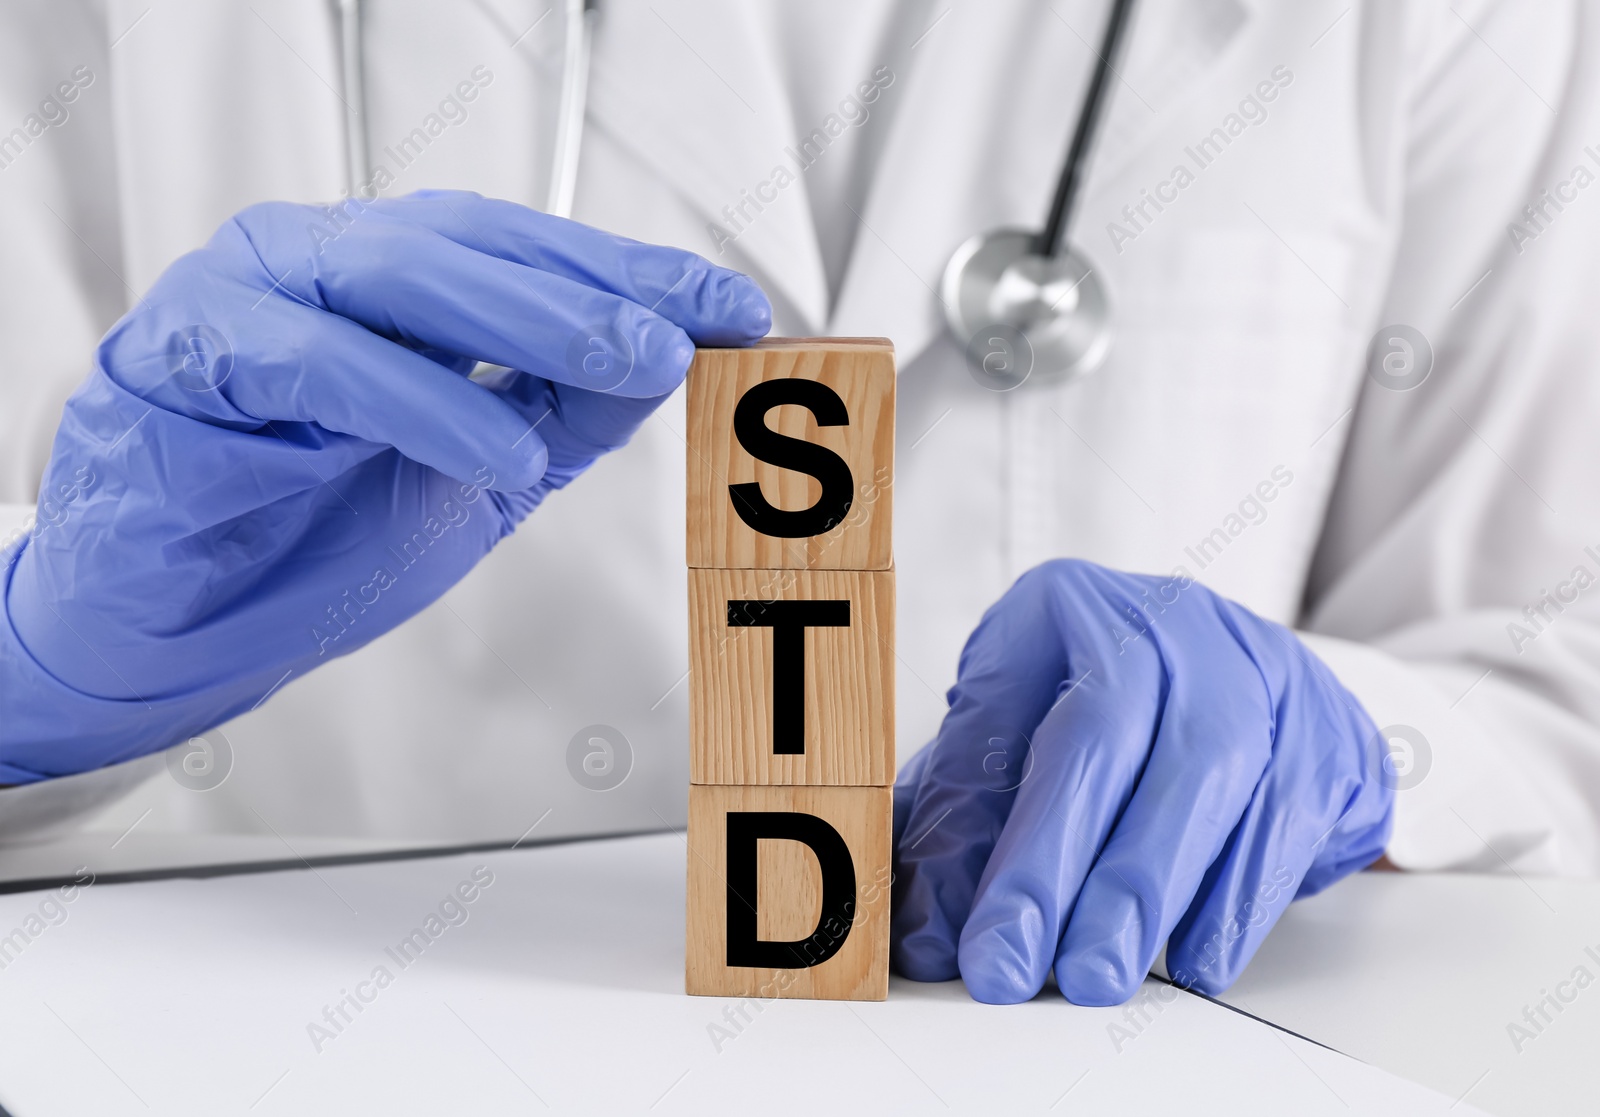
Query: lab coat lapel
(689, 89)
(219, 105)
(990, 98)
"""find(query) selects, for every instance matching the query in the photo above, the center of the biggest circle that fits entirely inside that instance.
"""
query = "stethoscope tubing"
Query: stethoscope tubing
(1053, 235)
(577, 51)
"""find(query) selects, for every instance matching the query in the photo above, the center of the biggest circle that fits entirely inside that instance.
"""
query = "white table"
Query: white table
(563, 989)
(1422, 973)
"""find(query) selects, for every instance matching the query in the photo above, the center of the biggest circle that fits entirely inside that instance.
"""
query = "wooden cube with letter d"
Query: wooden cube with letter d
(789, 892)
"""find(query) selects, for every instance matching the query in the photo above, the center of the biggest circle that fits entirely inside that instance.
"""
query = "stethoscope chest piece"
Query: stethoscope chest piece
(1025, 317)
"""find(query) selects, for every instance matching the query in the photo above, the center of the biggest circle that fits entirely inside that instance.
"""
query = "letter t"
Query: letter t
(789, 621)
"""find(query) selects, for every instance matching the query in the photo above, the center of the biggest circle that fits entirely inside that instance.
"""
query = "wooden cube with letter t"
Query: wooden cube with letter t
(791, 676)
(791, 668)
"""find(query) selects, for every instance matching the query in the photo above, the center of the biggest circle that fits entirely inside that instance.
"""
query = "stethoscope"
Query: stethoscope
(1025, 305)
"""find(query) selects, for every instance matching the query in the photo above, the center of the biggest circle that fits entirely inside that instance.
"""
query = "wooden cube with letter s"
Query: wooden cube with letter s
(791, 668)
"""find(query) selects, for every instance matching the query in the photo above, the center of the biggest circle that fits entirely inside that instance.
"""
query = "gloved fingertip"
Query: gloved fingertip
(997, 970)
(661, 360)
(751, 314)
(1205, 984)
(1210, 976)
(676, 355)
(1097, 977)
(522, 466)
(734, 312)
(993, 983)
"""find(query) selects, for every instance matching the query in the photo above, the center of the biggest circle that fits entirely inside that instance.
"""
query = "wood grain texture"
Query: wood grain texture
(861, 371)
(849, 700)
(788, 894)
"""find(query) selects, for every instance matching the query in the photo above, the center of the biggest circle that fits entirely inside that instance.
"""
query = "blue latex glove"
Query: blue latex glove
(279, 456)
(1127, 762)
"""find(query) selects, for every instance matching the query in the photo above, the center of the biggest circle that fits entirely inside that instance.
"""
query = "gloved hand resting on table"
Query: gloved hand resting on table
(1128, 762)
(279, 454)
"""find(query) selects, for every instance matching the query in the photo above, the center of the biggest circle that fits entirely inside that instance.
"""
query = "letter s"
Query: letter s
(765, 444)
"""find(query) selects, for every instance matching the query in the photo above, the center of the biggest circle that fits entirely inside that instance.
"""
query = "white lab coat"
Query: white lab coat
(1384, 183)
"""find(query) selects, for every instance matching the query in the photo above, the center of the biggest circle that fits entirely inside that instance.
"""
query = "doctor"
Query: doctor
(1330, 494)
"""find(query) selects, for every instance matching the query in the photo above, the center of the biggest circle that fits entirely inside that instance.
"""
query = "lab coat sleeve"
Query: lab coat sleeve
(1456, 589)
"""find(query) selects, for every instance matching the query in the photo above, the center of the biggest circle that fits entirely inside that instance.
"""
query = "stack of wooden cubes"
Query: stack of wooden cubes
(791, 668)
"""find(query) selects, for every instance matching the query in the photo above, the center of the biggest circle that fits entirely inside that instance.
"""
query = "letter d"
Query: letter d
(745, 831)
